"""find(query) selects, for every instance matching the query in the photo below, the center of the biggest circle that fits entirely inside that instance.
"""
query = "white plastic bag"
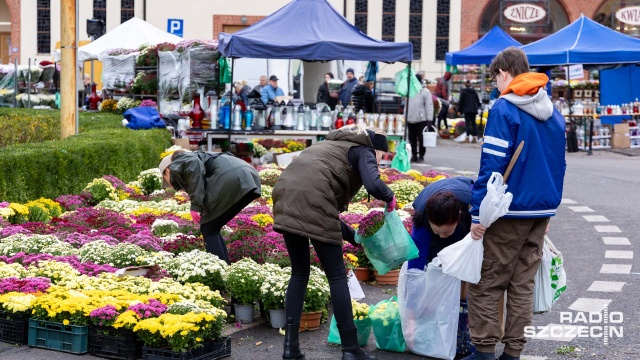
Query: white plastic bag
(429, 304)
(355, 290)
(550, 280)
(463, 260)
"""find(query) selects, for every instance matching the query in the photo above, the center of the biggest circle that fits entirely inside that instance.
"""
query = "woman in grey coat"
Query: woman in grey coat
(219, 186)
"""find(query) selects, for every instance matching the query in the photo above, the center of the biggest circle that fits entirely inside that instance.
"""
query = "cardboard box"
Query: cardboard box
(621, 140)
(182, 142)
(285, 159)
(622, 128)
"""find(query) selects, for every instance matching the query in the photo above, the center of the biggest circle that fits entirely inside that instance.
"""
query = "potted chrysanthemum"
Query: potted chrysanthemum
(243, 280)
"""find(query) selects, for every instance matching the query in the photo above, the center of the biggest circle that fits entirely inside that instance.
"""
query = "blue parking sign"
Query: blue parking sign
(175, 26)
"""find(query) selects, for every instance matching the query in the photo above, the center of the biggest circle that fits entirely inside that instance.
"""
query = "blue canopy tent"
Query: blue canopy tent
(584, 41)
(310, 30)
(484, 50)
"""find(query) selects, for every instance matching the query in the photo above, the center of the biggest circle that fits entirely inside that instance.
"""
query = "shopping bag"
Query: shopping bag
(402, 85)
(364, 330)
(463, 259)
(430, 307)
(550, 280)
(401, 162)
(387, 329)
(390, 246)
(355, 290)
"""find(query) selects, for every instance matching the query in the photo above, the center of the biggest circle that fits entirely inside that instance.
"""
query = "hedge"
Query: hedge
(53, 168)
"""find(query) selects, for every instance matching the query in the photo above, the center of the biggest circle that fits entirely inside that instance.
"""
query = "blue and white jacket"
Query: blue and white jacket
(537, 178)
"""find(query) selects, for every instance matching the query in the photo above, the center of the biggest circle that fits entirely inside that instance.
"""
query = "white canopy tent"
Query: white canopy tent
(128, 35)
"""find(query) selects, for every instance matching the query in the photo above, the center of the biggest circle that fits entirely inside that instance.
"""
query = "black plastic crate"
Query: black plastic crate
(14, 328)
(111, 343)
(210, 351)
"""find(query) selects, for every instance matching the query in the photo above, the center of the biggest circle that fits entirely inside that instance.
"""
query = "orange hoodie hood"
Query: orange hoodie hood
(526, 84)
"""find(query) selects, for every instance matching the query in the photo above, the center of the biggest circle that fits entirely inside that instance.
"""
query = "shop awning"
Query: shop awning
(310, 30)
(584, 41)
(483, 50)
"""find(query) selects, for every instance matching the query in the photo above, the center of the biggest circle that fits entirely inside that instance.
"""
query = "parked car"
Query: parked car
(386, 99)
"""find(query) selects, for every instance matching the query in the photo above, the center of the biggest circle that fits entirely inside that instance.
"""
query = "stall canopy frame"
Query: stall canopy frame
(484, 50)
(310, 30)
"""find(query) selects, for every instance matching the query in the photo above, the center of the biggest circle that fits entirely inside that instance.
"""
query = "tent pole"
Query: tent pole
(406, 103)
(231, 107)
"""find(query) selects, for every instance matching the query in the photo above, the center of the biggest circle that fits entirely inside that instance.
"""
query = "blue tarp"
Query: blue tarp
(584, 41)
(616, 86)
(483, 50)
(310, 30)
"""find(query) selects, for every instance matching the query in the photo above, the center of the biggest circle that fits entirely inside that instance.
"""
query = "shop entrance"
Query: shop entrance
(525, 20)
(5, 47)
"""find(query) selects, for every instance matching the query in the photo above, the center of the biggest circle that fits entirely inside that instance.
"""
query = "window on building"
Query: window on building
(442, 30)
(415, 27)
(100, 10)
(361, 15)
(44, 26)
(127, 10)
(389, 20)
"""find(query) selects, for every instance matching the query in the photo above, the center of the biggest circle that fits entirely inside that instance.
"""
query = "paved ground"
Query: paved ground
(596, 229)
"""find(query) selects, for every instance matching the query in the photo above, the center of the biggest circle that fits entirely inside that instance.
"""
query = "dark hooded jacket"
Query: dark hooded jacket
(319, 184)
(214, 181)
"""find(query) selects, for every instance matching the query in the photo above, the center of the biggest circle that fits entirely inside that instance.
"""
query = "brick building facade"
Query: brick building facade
(14, 9)
(474, 11)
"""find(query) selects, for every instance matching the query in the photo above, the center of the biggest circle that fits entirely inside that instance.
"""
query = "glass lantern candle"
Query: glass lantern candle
(325, 119)
(382, 120)
(259, 119)
(300, 120)
(390, 124)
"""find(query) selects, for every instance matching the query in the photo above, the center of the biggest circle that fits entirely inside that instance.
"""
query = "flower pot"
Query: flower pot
(390, 278)
(244, 313)
(278, 319)
(310, 320)
(362, 274)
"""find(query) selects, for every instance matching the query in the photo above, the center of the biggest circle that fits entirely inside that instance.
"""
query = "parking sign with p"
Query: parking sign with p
(175, 26)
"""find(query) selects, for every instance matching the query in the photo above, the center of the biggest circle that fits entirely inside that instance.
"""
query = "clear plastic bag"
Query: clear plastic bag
(390, 246)
(429, 303)
(169, 70)
(118, 71)
(550, 280)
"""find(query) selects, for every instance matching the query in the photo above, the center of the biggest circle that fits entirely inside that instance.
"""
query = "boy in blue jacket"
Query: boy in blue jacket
(513, 244)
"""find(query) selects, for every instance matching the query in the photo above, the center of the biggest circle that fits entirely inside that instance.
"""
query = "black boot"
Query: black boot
(350, 348)
(414, 158)
(291, 343)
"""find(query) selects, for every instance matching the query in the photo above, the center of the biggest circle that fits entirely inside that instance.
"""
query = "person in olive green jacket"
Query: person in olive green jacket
(219, 186)
(307, 199)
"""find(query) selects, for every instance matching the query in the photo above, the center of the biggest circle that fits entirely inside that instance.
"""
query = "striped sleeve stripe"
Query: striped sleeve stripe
(493, 152)
(496, 141)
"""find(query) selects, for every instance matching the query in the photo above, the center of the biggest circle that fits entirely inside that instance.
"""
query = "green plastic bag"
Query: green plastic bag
(364, 330)
(401, 83)
(401, 160)
(390, 246)
(225, 70)
(385, 320)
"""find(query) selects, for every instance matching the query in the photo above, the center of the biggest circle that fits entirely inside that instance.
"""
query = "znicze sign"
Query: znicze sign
(524, 13)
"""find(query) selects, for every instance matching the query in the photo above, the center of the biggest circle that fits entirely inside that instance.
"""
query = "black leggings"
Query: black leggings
(213, 241)
(331, 259)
